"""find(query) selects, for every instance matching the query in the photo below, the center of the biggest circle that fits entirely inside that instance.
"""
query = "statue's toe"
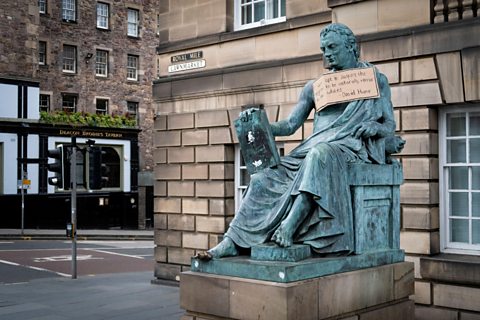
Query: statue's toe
(203, 255)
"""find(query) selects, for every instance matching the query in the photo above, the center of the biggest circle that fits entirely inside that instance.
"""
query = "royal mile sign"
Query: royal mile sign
(186, 61)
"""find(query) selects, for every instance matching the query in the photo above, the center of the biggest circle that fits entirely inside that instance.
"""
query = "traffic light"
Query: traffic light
(60, 166)
(97, 170)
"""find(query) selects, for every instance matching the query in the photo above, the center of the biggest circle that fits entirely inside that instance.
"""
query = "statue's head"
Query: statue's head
(339, 46)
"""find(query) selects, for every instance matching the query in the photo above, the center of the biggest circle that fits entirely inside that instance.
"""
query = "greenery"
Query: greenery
(88, 119)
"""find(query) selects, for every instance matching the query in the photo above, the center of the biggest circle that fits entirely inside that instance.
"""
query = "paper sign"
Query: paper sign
(343, 86)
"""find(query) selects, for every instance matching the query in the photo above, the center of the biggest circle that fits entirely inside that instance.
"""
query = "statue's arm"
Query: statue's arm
(385, 126)
(298, 115)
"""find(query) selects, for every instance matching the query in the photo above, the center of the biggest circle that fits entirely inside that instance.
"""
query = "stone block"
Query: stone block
(194, 206)
(451, 268)
(398, 123)
(168, 238)
(420, 144)
(307, 129)
(469, 316)
(416, 261)
(256, 77)
(160, 123)
(216, 118)
(399, 311)
(298, 8)
(180, 121)
(218, 207)
(167, 271)
(356, 290)
(451, 79)
(418, 69)
(289, 146)
(419, 119)
(419, 193)
(168, 205)
(430, 313)
(220, 135)
(210, 224)
(160, 254)
(181, 222)
(218, 287)
(423, 292)
(195, 240)
(181, 155)
(418, 94)
(302, 72)
(196, 85)
(361, 17)
(420, 242)
(471, 73)
(214, 189)
(224, 171)
(456, 297)
(390, 70)
(160, 221)
(387, 49)
(420, 168)
(195, 171)
(218, 153)
(160, 189)
(272, 46)
(403, 280)
(394, 15)
(194, 137)
(422, 218)
(160, 155)
(167, 138)
(180, 255)
(168, 172)
(181, 188)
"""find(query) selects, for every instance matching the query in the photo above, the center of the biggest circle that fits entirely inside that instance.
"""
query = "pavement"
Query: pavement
(121, 296)
(54, 234)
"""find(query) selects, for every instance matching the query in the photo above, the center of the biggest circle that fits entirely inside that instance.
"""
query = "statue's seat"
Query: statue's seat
(375, 193)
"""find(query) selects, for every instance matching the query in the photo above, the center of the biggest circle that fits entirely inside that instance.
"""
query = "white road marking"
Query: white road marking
(33, 268)
(118, 254)
(80, 257)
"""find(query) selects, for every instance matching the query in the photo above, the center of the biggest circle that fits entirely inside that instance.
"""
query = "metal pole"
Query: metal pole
(22, 191)
(73, 179)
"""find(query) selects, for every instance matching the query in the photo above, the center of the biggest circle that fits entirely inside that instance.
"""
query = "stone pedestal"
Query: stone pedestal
(374, 293)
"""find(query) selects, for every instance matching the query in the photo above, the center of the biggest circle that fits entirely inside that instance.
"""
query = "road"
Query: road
(25, 260)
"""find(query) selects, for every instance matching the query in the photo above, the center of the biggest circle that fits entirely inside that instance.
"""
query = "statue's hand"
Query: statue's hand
(366, 129)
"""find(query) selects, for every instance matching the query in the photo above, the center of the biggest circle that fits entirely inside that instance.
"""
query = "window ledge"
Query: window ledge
(451, 268)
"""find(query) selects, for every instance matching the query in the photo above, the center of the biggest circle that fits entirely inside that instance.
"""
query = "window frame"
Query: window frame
(101, 17)
(101, 65)
(42, 4)
(74, 96)
(67, 59)
(104, 110)
(129, 103)
(446, 245)
(69, 6)
(238, 25)
(42, 53)
(49, 102)
(135, 24)
(131, 67)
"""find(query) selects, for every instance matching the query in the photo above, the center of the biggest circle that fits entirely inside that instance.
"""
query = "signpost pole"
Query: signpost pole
(73, 179)
(22, 191)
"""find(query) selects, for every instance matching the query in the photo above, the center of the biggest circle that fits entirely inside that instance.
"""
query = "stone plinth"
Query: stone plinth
(374, 293)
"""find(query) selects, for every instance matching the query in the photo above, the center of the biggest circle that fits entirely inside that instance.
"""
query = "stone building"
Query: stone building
(216, 56)
(89, 56)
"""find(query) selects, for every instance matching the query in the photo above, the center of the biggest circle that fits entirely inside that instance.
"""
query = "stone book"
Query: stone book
(256, 140)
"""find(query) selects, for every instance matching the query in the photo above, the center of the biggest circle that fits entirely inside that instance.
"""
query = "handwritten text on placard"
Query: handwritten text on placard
(343, 86)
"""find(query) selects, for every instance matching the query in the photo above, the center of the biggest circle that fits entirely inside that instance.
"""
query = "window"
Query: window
(69, 10)
(132, 109)
(460, 180)
(256, 13)
(69, 59)
(102, 106)
(42, 53)
(132, 67)
(102, 15)
(132, 23)
(42, 6)
(69, 102)
(44, 102)
(101, 63)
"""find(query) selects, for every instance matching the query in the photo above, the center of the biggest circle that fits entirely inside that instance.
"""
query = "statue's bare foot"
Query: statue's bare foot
(283, 236)
(226, 248)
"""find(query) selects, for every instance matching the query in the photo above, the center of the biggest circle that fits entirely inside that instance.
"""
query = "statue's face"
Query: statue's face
(336, 53)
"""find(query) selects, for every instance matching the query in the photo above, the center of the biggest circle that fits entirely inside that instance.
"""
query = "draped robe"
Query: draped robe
(317, 166)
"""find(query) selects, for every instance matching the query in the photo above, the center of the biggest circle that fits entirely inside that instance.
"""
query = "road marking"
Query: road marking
(33, 268)
(6, 242)
(80, 257)
(118, 254)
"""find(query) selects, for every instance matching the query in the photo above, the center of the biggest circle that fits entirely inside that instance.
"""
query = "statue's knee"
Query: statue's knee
(320, 152)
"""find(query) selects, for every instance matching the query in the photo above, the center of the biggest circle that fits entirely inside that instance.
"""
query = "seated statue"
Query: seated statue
(306, 198)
